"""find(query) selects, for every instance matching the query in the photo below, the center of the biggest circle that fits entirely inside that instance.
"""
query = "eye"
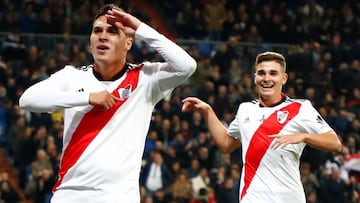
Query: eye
(97, 30)
(274, 73)
(260, 73)
(113, 30)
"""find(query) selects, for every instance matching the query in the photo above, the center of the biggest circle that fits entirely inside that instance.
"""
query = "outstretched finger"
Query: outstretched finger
(275, 144)
(190, 99)
(116, 13)
(186, 106)
(117, 99)
(274, 136)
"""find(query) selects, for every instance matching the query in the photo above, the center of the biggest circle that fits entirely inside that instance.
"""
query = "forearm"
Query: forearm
(324, 141)
(41, 97)
(219, 133)
(180, 65)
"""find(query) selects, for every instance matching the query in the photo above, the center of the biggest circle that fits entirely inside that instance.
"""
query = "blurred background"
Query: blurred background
(319, 38)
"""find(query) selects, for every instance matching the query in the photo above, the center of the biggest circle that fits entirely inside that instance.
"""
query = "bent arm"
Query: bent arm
(218, 132)
(179, 64)
(50, 95)
(313, 130)
(325, 141)
(216, 129)
(319, 133)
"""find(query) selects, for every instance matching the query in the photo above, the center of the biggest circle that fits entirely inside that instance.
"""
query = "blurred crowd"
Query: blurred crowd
(322, 48)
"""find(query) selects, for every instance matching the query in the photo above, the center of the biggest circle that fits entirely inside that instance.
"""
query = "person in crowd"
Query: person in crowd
(156, 174)
(8, 193)
(273, 130)
(107, 108)
(181, 188)
(201, 180)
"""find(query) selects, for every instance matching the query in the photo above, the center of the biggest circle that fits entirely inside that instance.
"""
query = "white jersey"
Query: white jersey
(102, 150)
(272, 175)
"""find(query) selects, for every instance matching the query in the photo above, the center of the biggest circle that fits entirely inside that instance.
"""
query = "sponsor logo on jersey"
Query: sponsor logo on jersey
(282, 116)
(86, 68)
(262, 118)
(247, 120)
(319, 119)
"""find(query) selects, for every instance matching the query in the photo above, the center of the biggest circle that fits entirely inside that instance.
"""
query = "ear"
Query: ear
(285, 78)
(128, 43)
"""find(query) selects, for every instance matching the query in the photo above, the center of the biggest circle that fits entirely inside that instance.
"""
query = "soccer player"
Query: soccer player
(272, 131)
(107, 108)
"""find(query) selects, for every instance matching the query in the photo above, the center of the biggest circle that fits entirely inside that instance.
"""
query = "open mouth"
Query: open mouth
(266, 86)
(102, 47)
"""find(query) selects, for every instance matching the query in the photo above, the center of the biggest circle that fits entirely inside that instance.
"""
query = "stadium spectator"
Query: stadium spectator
(309, 180)
(200, 181)
(214, 15)
(181, 189)
(225, 191)
(155, 174)
(8, 193)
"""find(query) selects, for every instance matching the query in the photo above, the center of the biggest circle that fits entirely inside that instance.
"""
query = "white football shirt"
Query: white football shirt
(272, 175)
(102, 150)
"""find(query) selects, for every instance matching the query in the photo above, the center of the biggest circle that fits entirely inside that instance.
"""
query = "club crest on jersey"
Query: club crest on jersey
(282, 116)
(124, 93)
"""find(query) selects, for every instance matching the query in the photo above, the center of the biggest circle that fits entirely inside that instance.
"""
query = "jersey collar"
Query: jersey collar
(117, 76)
(283, 98)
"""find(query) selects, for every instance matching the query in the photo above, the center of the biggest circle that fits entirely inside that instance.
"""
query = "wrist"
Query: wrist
(306, 137)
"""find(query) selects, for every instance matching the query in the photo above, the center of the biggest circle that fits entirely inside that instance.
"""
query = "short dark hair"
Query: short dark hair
(103, 10)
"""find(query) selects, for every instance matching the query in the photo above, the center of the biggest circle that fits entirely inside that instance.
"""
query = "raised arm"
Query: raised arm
(179, 64)
(217, 131)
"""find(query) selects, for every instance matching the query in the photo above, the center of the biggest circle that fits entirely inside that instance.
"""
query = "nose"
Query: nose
(103, 35)
(267, 76)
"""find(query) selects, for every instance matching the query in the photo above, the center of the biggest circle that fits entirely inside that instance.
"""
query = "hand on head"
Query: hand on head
(124, 21)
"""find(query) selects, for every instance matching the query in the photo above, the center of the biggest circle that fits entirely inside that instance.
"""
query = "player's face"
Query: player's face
(108, 43)
(269, 79)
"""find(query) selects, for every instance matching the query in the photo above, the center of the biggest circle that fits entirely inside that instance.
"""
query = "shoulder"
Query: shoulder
(72, 69)
(306, 107)
(84, 68)
(248, 106)
(303, 102)
(147, 67)
(140, 66)
(252, 103)
(289, 99)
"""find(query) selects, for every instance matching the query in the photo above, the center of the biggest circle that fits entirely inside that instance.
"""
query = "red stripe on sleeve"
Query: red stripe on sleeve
(260, 142)
(89, 127)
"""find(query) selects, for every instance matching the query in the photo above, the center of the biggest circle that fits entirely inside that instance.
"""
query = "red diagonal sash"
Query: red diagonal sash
(90, 125)
(260, 141)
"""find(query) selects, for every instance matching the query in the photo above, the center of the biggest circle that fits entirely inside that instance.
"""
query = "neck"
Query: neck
(109, 72)
(265, 102)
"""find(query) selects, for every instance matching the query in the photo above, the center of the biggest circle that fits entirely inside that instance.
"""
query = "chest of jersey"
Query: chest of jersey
(257, 123)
